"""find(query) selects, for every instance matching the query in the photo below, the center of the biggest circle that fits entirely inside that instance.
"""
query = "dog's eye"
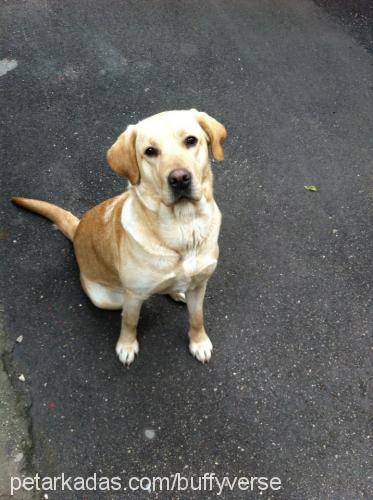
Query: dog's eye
(191, 140)
(151, 151)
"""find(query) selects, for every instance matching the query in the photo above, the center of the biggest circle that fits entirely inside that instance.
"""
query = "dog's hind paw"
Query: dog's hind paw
(127, 352)
(178, 296)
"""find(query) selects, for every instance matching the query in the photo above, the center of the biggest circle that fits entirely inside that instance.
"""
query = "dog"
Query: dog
(161, 235)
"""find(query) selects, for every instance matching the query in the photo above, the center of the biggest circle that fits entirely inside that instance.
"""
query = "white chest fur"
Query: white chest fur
(184, 253)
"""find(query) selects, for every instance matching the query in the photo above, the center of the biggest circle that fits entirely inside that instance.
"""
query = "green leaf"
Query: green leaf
(311, 188)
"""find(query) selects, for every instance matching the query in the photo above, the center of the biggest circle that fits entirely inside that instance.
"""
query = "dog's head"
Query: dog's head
(168, 154)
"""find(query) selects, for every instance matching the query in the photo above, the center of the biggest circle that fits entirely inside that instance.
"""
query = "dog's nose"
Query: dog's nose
(179, 179)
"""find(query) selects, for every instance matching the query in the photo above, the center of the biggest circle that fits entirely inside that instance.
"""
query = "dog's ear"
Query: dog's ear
(216, 133)
(122, 155)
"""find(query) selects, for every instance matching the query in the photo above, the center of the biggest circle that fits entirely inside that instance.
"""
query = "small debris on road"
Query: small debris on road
(311, 188)
(149, 433)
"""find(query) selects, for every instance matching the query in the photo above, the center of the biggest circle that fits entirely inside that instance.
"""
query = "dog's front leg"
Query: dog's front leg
(200, 345)
(127, 346)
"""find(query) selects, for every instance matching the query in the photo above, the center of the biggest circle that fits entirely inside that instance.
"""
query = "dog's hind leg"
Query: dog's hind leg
(102, 296)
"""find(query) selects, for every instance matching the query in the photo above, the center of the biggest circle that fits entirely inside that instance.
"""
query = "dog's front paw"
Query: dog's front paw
(127, 352)
(201, 350)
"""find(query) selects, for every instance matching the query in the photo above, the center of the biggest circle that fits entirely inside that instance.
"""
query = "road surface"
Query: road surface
(289, 310)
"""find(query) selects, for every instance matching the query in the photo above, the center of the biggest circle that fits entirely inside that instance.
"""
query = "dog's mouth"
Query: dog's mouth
(179, 195)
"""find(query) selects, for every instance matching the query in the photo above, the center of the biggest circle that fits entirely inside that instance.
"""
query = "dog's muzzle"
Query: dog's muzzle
(180, 182)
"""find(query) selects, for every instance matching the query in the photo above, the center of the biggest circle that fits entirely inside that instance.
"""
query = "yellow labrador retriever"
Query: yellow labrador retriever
(158, 237)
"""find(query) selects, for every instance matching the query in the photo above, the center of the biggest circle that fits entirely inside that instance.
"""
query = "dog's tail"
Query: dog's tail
(64, 220)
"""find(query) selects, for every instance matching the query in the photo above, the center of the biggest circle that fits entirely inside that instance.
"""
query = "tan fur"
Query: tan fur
(64, 220)
(216, 132)
(122, 156)
(141, 242)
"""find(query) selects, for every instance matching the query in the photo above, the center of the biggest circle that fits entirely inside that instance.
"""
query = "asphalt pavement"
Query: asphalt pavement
(288, 392)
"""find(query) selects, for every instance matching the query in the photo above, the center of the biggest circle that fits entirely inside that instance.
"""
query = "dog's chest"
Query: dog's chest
(197, 257)
(186, 237)
(186, 273)
(184, 254)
